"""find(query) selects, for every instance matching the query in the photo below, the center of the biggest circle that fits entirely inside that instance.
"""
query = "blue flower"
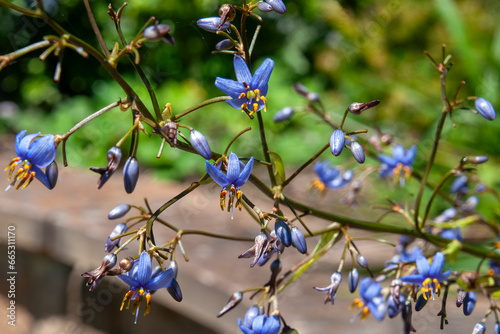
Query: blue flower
(236, 176)
(399, 161)
(371, 301)
(429, 276)
(248, 93)
(142, 282)
(260, 324)
(330, 177)
(32, 155)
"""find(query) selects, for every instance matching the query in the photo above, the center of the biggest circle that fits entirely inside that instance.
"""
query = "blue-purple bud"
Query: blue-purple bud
(277, 5)
(231, 303)
(485, 108)
(114, 156)
(362, 261)
(496, 330)
(276, 267)
(353, 280)
(358, 152)
(225, 44)
(459, 184)
(211, 24)
(469, 302)
(479, 328)
(110, 244)
(357, 108)
(337, 141)
(298, 240)
(478, 159)
(200, 144)
(158, 32)
(130, 174)
(446, 215)
(421, 301)
(470, 204)
(480, 187)
(108, 262)
(283, 232)
(394, 307)
(175, 290)
(461, 293)
(264, 7)
(284, 114)
(52, 173)
(119, 211)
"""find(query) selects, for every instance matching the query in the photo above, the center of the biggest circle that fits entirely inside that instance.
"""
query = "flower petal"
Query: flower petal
(19, 138)
(271, 325)
(410, 155)
(40, 176)
(162, 281)
(42, 152)
(24, 143)
(236, 103)
(216, 174)
(144, 269)
(241, 69)
(230, 87)
(413, 279)
(422, 266)
(437, 265)
(385, 159)
(398, 152)
(262, 75)
(233, 168)
(129, 280)
(245, 174)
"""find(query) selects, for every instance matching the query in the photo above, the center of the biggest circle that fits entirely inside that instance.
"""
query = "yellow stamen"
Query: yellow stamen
(318, 184)
(263, 98)
(148, 304)
(242, 95)
(244, 106)
(31, 178)
(255, 106)
(126, 299)
(223, 199)
(365, 313)
(238, 199)
(246, 85)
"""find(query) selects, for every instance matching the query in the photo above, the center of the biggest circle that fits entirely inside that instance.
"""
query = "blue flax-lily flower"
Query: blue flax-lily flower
(429, 276)
(248, 93)
(142, 282)
(236, 176)
(261, 324)
(400, 160)
(32, 155)
(330, 177)
(371, 301)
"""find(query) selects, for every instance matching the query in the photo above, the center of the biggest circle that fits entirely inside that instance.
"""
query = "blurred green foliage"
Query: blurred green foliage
(345, 50)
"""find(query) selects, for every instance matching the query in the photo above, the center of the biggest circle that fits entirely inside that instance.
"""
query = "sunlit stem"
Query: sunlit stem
(201, 105)
(254, 39)
(344, 118)
(5, 59)
(433, 196)
(234, 139)
(307, 163)
(97, 32)
(129, 132)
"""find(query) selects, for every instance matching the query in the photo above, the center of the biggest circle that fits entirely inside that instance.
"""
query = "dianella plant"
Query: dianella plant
(425, 243)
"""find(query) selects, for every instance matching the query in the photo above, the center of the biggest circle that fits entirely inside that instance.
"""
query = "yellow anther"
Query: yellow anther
(244, 106)
(245, 85)
(242, 95)
(141, 291)
(365, 313)
(223, 199)
(255, 107)
(318, 184)
(126, 299)
(424, 292)
(263, 98)
(148, 304)
(407, 172)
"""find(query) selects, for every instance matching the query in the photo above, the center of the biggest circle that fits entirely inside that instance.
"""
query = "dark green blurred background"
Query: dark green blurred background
(345, 50)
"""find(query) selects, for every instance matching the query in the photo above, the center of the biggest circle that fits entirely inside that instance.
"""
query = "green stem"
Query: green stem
(97, 32)
(198, 106)
(307, 163)
(434, 193)
(265, 148)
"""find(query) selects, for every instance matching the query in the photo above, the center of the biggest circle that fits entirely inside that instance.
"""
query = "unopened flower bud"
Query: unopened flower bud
(175, 290)
(496, 330)
(459, 184)
(110, 244)
(170, 129)
(470, 204)
(358, 152)
(200, 144)
(158, 32)
(232, 302)
(52, 173)
(261, 242)
(479, 328)
(226, 13)
(406, 313)
(95, 276)
(284, 114)
(275, 267)
(119, 211)
(126, 264)
(212, 24)
(298, 240)
(337, 141)
(395, 289)
(478, 159)
(283, 232)
(114, 156)
(395, 306)
(264, 7)
(302, 90)
(485, 108)
(353, 280)
(130, 174)
(173, 265)
(469, 302)
(362, 261)
(277, 5)
(225, 44)
(421, 301)
(357, 108)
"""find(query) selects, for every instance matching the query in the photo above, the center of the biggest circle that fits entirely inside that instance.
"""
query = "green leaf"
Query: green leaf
(280, 167)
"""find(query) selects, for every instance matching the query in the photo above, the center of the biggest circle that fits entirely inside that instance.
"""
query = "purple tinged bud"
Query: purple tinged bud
(362, 261)
(485, 108)
(52, 173)
(119, 211)
(395, 289)
(469, 302)
(353, 280)
(231, 303)
(127, 264)
(460, 183)
(276, 267)
(298, 240)
(284, 114)
(200, 144)
(225, 44)
(173, 265)
(110, 244)
(260, 245)
(109, 261)
(480, 187)
(130, 174)
(211, 24)
(264, 7)
(479, 328)
(175, 290)
(278, 6)
(478, 159)
(357, 108)
(358, 152)
(283, 232)
(158, 32)
(114, 156)
(470, 204)
(421, 301)
(461, 293)
(337, 141)
(302, 90)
